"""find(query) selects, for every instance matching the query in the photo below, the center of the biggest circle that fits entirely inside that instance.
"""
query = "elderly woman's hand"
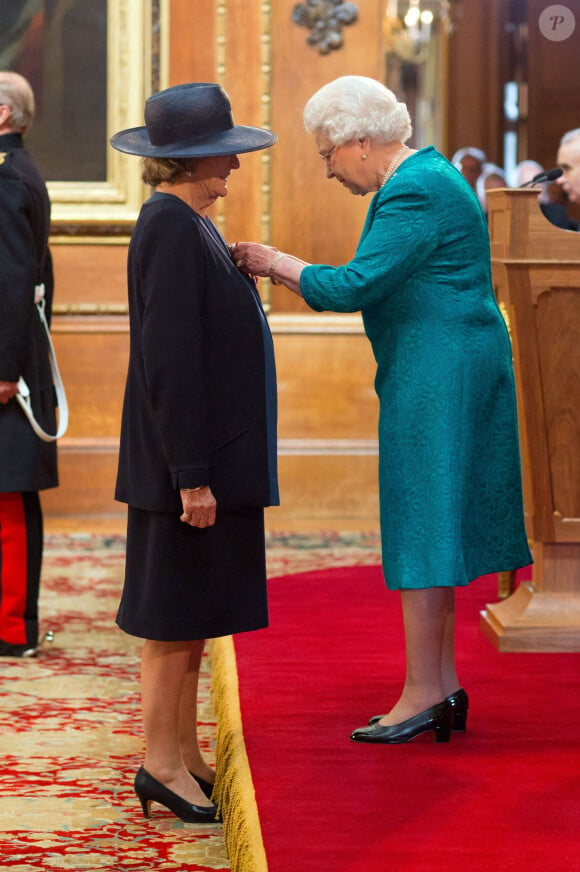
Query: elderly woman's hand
(253, 258)
(199, 506)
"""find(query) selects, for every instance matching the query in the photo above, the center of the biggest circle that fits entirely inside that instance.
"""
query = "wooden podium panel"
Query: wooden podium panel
(536, 273)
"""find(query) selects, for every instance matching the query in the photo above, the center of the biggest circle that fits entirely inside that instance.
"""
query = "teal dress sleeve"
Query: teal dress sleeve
(400, 233)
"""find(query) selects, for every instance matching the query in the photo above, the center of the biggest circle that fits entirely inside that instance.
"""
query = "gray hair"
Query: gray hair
(570, 136)
(15, 92)
(356, 107)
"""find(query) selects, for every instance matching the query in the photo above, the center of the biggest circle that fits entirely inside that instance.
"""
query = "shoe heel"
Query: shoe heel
(144, 805)
(460, 706)
(442, 734)
(444, 723)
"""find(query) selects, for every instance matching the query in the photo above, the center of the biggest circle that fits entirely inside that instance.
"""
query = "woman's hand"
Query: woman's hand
(266, 260)
(199, 506)
(253, 258)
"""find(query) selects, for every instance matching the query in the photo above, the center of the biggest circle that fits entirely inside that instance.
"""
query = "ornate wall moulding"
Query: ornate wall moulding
(325, 20)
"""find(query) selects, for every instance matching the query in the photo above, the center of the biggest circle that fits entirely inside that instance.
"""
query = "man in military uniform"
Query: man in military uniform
(27, 464)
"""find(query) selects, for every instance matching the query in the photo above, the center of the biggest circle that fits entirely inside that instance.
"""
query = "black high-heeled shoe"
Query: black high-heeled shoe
(148, 789)
(206, 786)
(459, 702)
(437, 718)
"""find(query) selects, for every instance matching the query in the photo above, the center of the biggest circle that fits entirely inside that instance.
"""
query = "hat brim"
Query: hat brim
(237, 140)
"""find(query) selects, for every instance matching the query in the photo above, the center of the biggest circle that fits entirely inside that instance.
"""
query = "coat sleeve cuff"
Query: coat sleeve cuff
(198, 477)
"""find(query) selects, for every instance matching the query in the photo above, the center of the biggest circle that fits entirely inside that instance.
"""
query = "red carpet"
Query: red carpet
(505, 795)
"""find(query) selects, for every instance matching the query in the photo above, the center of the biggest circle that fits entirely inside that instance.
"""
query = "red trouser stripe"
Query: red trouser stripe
(14, 569)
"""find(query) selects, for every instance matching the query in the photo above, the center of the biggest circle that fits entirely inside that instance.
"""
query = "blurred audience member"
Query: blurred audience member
(556, 213)
(569, 160)
(469, 162)
(491, 176)
(524, 172)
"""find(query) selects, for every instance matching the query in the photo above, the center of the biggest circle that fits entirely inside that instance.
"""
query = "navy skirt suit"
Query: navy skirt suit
(199, 409)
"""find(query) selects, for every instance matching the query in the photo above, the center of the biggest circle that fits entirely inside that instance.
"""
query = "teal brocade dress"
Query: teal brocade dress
(449, 466)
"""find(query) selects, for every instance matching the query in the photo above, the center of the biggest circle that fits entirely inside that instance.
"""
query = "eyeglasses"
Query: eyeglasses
(326, 155)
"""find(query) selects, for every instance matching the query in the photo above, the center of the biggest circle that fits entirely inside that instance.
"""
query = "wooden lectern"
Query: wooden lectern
(536, 274)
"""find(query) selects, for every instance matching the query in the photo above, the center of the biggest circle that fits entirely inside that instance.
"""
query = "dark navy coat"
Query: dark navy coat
(26, 462)
(198, 407)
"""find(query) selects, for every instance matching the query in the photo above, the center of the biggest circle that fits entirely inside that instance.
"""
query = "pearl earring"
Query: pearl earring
(363, 156)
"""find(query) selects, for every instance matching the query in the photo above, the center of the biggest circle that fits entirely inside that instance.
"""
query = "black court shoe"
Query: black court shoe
(438, 718)
(460, 705)
(148, 789)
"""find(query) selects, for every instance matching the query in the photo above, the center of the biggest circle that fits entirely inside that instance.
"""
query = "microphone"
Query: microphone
(545, 176)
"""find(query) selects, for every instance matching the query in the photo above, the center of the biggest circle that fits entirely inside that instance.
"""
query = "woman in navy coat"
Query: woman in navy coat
(449, 466)
(197, 458)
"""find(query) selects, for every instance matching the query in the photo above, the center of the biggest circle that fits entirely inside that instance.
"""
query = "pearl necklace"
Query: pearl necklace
(394, 163)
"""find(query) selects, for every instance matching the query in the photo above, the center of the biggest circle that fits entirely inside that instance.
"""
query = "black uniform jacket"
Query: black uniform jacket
(26, 462)
(195, 408)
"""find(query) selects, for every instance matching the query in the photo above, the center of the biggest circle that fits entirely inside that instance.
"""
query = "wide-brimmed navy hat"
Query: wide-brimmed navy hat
(193, 120)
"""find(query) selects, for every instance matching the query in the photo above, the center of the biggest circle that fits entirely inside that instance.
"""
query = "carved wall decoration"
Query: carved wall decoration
(325, 20)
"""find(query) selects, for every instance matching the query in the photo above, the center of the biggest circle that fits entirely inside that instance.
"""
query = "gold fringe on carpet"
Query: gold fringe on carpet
(234, 789)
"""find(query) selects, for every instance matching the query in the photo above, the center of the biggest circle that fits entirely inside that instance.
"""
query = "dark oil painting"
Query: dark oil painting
(60, 46)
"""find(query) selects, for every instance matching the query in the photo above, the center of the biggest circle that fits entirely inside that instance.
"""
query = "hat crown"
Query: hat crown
(184, 112)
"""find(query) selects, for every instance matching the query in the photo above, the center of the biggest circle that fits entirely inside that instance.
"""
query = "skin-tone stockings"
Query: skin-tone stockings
(169, 683)
(429, 620)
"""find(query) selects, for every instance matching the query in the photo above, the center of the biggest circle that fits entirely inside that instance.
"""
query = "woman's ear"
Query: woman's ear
(5, 113)
(365, 144)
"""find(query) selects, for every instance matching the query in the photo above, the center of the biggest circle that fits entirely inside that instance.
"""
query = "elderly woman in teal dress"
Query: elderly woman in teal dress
(449, 466)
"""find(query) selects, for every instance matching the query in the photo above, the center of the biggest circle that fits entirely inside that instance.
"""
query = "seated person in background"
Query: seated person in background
(524, 172)
(469, 162)
(555, 212)
(491, 176)
(569, 160)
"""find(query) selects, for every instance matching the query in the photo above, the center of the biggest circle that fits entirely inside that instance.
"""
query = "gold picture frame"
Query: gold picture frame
(135, 69)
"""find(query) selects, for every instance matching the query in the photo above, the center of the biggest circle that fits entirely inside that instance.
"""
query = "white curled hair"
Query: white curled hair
(357, 107)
